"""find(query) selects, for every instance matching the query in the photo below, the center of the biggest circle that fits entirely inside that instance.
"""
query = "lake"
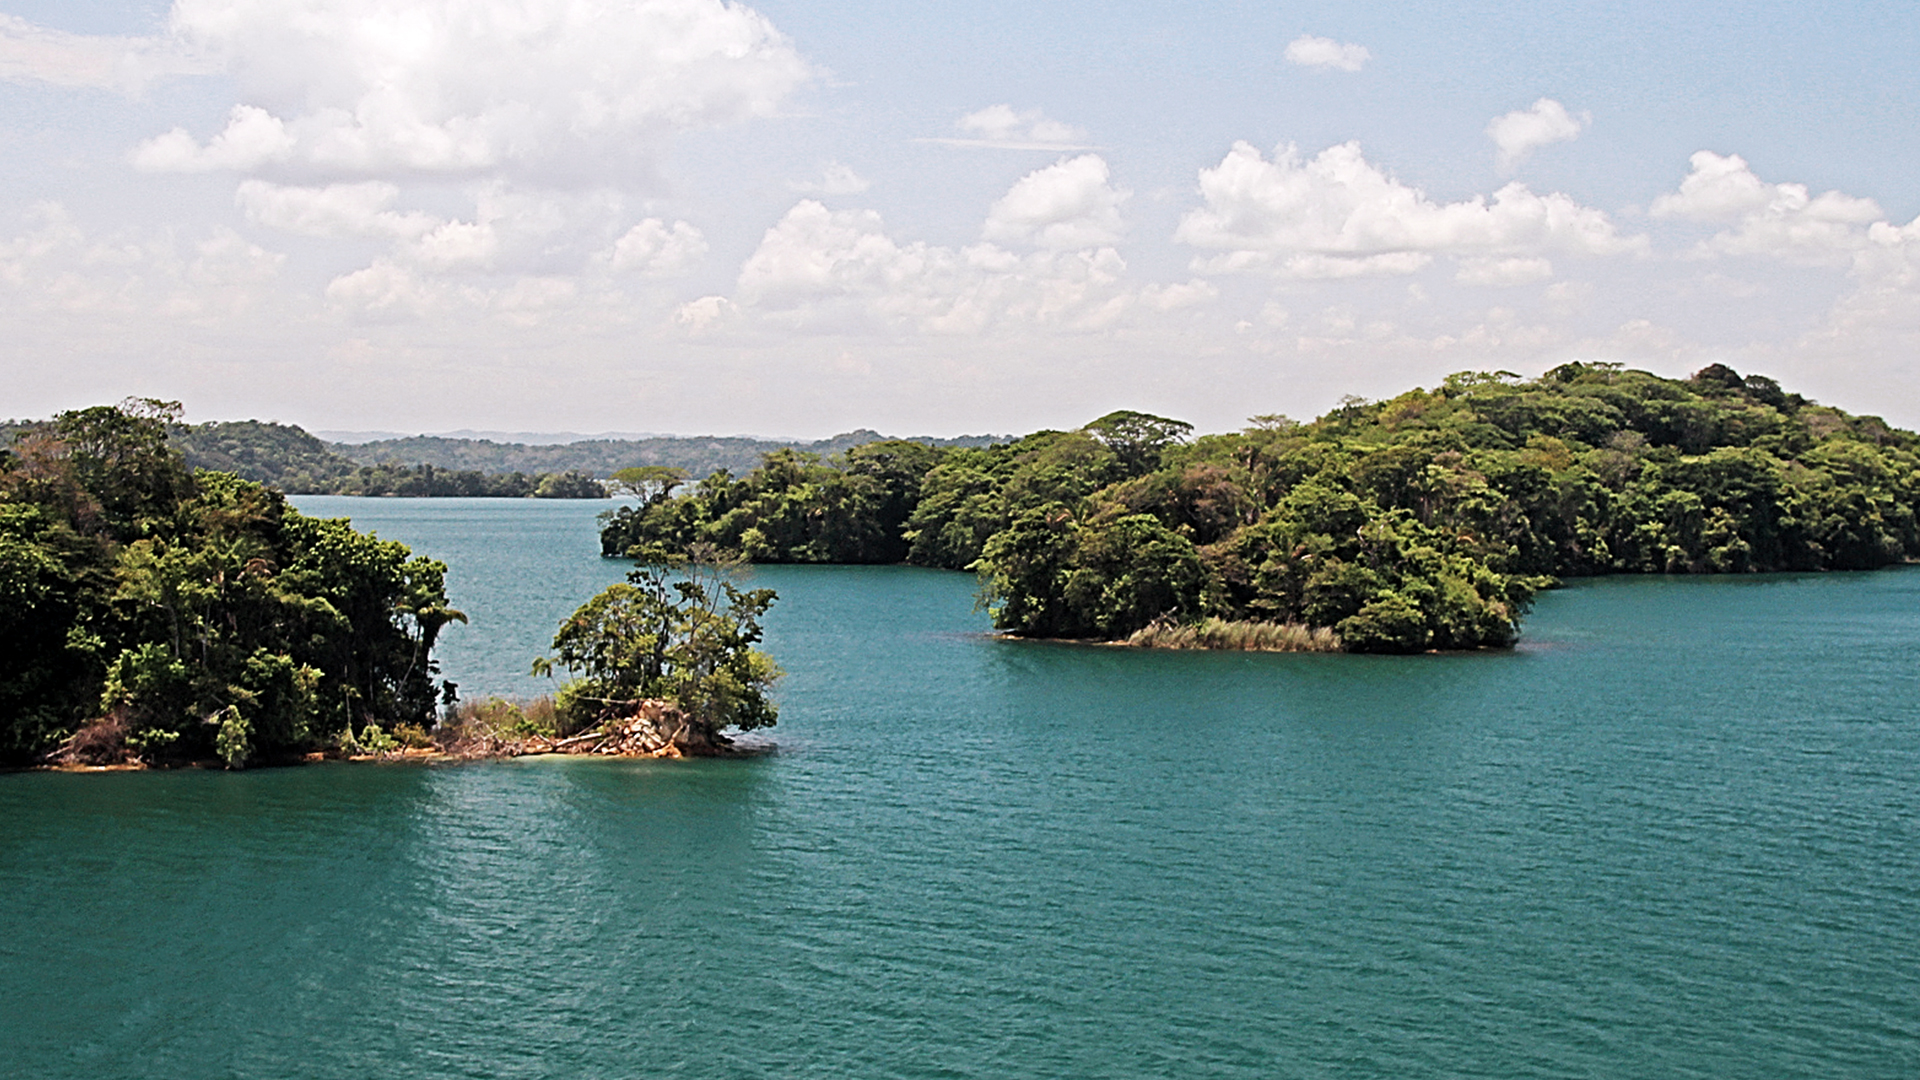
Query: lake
(1675, 834)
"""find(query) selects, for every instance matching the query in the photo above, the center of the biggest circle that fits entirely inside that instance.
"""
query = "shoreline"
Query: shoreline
(409, 756)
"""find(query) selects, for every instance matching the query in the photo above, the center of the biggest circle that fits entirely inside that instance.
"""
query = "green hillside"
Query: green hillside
(1424, 521)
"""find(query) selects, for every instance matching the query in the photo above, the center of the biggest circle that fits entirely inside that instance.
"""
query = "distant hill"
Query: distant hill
(278, 454)
(699, 455)
(297, 462)
(531, 438)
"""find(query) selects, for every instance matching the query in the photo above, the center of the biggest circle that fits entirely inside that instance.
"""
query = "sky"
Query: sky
(797, 218)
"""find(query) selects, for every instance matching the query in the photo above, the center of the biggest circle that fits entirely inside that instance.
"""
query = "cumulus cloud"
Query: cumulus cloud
(1520, 133)
(813, 251)
(1068, 204)
(30, 53)
(655, 249)
(252, 138)
(1000, 127)
(346, 88)
(365, 210)
(1511, 271)
(837, 269)
(699, 316)
(1309, 51)
(1779, 220)
(455, 244)
(1179, 295)
(382, 289)
(336, 210)
(835, 179)
(58, 275)
(1337, 215)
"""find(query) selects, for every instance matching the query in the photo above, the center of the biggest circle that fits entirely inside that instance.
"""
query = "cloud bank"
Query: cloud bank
(535, 89)
(1337, 215)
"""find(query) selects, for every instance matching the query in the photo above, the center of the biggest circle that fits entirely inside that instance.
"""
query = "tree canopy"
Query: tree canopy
(684, 633)
(1425, 521)
(186, 615)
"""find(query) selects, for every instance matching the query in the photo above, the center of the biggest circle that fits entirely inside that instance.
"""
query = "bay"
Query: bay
(1674, 834)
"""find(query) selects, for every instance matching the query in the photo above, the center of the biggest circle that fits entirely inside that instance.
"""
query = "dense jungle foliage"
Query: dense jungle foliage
(1427, 521)
(149, 609)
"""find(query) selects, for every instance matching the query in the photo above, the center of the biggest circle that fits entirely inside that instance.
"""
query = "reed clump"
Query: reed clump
(1228, 634)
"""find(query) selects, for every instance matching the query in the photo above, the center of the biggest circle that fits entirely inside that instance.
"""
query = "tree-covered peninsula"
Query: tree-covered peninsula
(1427, 521)
(150, 610)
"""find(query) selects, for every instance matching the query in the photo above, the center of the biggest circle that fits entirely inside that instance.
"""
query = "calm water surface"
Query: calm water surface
(1673, 835)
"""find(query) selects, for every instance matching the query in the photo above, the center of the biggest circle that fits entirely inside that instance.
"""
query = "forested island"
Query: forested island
(152, 611)
(1427, 521)
(156, 611)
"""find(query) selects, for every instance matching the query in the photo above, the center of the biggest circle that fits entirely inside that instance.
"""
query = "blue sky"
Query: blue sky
(798, 218)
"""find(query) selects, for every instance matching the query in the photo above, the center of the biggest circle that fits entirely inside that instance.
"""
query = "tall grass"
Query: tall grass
(492, 725)
(1213, 633)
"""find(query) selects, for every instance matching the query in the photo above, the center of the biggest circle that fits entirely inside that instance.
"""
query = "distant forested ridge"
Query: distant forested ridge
(697, 455)
(154, 611)
(296, 462)
(288, 458)
(1427, 521)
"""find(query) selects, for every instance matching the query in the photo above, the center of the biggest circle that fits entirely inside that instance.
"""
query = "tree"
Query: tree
(1138, 438)
(682, 632)
(649, 483)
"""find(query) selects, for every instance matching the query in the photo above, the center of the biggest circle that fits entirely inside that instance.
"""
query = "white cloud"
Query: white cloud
(523, 87)
(835, 179)
(1176, 296)
(703, 314)
(336, 210)
(58, 279)
(814, 251)
(252, 138)
(1309, 51)
(364, 210)
(227, 258)
(1068, 204)
(455, 244)
(1337, 215)
(1000, 127)
(1312, 267)
(654, 249)
(383, 288)
(819, 268)
(1511, 271)
(30, 53)
(1777, 220)
(1518, 134)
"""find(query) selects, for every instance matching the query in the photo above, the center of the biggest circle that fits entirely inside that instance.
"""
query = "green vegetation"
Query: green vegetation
(1427, 521)
(425, 466)
(682, 633)
(426, 481)
(288, 458)
(697, 456)
(150, 610)
(1213, 632)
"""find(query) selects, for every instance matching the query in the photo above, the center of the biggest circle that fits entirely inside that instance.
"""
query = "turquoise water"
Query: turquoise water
(1676, 834)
